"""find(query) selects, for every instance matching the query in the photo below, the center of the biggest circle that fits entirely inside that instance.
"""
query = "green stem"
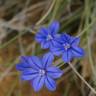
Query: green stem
(46, 14)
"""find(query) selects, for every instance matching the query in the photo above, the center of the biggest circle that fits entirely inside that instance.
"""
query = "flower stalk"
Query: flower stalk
(88, 85)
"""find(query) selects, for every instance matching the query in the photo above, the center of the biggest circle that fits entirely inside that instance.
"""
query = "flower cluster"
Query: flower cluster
(59, 44)
(40, 71)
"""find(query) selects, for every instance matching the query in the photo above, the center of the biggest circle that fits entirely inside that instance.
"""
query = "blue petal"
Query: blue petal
(36, 62)
(29, 74)
(40, 38)
(41, 35)
(29, 71)
(21, 66)
(57, 49)
(77, 52)
(54, 72)
(43, 31)
(30, 62)
(75, 41)
(66, 37)
(67, 56)
(54, 27)
(28, 77)
(54, 41)
(50, 83)
(59, 39)
(45, 44)
(47, 59)
(25, 62)
(38, 83)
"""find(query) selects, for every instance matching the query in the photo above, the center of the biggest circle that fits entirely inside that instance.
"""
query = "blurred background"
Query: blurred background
(21, 19)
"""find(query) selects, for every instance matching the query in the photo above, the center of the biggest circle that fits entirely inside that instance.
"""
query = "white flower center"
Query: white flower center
(66, 46)
(49, 37)
(42, 72)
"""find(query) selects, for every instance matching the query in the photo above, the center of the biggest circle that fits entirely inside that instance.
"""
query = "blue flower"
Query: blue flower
(47, 36)
(39, 71)
(68, 46)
